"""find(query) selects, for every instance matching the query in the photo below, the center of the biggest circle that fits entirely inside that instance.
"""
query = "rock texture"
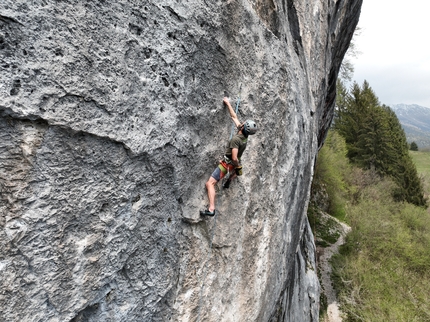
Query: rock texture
(111, 122)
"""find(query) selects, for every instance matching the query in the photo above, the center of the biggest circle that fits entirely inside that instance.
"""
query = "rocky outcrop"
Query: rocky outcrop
(111, 122)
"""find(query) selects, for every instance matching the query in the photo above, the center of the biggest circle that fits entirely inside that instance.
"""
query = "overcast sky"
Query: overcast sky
(395, 50)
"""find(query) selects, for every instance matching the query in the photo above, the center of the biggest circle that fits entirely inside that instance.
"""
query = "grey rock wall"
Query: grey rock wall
(112, 120)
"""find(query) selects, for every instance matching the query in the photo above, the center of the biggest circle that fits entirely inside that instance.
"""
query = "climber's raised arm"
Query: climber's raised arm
(231, 111)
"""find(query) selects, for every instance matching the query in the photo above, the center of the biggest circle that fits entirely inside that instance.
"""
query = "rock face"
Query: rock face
(112, 121)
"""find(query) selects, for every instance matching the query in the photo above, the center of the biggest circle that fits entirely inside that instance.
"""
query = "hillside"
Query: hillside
(382, 271)
(422, 162)
(415, 121)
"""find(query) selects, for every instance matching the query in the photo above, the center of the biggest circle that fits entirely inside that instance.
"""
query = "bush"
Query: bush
(330, 170)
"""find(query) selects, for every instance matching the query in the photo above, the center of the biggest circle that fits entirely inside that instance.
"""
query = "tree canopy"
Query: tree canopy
(375, 139)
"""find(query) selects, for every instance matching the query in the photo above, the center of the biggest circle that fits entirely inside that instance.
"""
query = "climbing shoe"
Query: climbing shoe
(207, 213)
(226, 184)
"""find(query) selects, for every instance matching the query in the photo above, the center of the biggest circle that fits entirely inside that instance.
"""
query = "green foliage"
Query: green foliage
(413, 146)
(421, 160)
(375, 140)
(330, 168)
(383, 270)
(324, 227)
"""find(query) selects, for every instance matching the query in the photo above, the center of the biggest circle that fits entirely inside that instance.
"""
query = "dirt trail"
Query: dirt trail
(333, 312)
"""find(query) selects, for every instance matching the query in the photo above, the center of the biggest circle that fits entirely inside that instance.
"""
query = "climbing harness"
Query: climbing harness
(226, 165)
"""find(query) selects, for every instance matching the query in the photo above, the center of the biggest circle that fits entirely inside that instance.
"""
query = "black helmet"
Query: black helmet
(249, 127)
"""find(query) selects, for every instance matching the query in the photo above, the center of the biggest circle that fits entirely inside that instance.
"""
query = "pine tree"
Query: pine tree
(373, 148)
(413, 146)
(351, 115)
(375, 140)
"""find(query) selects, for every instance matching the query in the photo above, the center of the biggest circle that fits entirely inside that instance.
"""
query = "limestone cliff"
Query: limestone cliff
(112, 120)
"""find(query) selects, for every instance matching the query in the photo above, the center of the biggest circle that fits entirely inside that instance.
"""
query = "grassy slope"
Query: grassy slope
(383, 271)
(422, 162)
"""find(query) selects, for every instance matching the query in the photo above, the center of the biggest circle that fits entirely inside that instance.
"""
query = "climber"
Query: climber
(231, 161)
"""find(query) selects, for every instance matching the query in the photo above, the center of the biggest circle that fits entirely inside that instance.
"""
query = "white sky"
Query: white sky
(395, 54)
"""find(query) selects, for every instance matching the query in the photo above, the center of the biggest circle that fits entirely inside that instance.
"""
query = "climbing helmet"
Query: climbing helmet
(250, 127)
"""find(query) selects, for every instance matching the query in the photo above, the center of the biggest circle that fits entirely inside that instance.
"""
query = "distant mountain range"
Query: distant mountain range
(415, 121)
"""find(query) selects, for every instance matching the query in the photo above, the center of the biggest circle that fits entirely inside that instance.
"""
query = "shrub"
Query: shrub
(330, 170)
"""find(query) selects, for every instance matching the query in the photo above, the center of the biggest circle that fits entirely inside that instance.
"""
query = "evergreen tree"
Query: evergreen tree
(351, 115)
(413, 146)
(373, 148)
(375, 140)
(410, 187)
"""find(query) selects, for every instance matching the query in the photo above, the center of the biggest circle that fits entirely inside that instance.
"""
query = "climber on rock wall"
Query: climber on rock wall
(230, 164)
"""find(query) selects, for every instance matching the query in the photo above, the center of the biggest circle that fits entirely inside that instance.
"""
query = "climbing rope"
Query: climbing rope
(237, 109)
